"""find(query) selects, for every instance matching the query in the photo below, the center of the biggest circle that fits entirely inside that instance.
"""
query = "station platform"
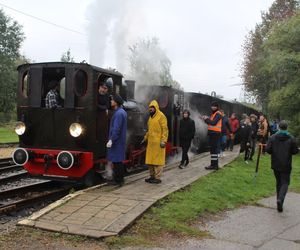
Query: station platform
(103, 211)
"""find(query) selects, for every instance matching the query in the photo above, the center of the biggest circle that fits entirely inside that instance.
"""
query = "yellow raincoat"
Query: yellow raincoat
(157, 133)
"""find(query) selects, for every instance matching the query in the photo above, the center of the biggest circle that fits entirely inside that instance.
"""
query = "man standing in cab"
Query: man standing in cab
(157, 138)
(117, 139)
(214, 123)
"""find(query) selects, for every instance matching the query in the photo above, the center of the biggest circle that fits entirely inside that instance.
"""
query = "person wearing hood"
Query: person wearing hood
(117, 139)
(186, 135)
(156, 138)
(103, 103)
(282, 146)
(214, 123)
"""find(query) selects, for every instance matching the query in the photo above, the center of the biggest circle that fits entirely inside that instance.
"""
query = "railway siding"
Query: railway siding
(103, 211)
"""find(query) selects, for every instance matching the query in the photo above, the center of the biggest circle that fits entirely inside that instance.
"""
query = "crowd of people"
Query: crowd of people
(223, 134)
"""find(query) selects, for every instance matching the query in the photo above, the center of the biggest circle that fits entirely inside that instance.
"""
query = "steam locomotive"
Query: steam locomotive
(69, 142)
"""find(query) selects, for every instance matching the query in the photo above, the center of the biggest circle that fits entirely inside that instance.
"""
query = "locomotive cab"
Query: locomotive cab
(65, 141)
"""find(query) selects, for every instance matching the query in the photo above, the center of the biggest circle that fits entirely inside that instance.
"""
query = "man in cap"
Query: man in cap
(282, 146)
(117, 139)
(103, 96)
(214, 123)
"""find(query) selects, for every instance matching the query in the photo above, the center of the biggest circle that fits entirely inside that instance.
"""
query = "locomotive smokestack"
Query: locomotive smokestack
(130, 88)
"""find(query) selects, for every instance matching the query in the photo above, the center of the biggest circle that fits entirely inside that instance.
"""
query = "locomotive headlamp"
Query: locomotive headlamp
(20, 128)
(75, 129)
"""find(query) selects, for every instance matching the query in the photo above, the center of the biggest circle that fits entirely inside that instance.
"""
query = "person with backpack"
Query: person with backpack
(282, 146)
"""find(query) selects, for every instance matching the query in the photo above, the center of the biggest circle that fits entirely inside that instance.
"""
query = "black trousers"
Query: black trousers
(118, 172)
(282, 184)
(185, 149)
(214, 139)
(252, 145)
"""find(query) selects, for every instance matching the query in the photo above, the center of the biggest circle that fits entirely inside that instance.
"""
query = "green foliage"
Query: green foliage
(11, 37)
(150, 64)
(67, 57)
(7, 134)
(282, 61)
(257, 74)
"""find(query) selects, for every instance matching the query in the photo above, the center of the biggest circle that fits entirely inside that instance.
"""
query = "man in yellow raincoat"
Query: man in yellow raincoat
(156, 137)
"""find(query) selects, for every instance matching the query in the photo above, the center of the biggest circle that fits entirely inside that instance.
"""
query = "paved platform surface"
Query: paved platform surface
(106, 211)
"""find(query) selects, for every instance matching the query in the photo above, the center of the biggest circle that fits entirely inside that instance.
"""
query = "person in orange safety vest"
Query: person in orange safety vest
(214, 123)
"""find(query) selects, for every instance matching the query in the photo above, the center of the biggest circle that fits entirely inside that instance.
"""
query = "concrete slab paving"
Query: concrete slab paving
(104, 211)
(261, 227)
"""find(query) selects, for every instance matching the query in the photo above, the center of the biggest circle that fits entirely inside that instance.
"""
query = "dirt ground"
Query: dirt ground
(6, 152)
(33, 239)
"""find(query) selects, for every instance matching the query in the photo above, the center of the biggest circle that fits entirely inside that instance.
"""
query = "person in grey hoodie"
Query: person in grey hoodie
(282, 146)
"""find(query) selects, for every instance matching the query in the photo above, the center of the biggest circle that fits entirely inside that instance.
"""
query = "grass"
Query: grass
(7, 134)
(225, 189)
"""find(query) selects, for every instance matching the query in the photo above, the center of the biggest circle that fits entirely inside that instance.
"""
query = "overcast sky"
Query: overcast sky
(203, 39)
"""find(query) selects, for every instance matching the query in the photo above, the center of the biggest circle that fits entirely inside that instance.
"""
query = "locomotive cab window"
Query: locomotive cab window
(80, 83)
(25, 82)
(53, 88)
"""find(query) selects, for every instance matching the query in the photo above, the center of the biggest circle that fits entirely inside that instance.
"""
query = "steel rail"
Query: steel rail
(24, 189)
(23, 203)
(13, 177)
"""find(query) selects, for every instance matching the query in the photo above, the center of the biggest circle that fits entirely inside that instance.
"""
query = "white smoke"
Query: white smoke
(113, 26)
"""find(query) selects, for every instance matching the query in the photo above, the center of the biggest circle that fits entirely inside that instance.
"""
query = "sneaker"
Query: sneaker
(279, 206)
(186, 163)
(246, 162)
(181, 166)
(155, 181)
(149, 179)
(211, 168)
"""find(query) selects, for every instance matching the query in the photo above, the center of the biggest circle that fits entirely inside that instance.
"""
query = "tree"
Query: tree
(150, 65)
(66, 57)
(254, 72)
(282, 49)
(11, 37)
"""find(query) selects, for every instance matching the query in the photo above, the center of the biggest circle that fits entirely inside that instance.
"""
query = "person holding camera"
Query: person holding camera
(156, 138)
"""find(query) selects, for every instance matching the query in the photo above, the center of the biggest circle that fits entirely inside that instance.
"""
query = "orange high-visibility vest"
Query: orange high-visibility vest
(218, 126)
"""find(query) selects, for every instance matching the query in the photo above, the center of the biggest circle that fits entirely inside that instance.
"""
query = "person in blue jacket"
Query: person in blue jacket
(117, 139)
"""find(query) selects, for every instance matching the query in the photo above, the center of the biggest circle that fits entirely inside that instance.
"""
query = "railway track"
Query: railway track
(17, 198)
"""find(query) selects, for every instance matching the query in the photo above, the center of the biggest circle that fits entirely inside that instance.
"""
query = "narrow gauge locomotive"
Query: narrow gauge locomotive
(69, 142)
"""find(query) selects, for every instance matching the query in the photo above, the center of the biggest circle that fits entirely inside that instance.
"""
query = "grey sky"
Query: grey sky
(203, 39)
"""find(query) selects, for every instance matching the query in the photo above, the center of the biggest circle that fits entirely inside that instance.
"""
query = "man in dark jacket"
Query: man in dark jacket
(186, 134)
(103, 95)
(214, 123)
(117, 139)
(282, 146)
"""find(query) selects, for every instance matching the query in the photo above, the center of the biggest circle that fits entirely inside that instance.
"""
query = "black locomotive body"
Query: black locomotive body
(70, 141)
(47, 147)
